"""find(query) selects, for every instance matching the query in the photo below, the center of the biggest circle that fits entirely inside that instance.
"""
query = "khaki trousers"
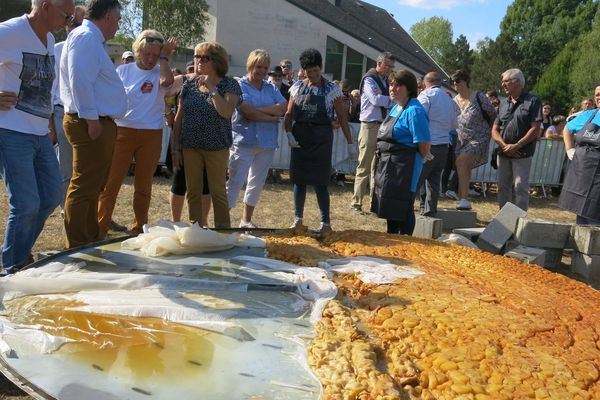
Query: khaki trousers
(144, 145)
(215, 162)
(91, 163)
(367, 144)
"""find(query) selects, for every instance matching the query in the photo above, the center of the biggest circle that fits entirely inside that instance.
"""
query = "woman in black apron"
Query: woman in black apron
(311, 109)
(581, 188)
(403, 142)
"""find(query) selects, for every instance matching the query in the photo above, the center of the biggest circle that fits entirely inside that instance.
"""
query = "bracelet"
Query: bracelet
(164, 58)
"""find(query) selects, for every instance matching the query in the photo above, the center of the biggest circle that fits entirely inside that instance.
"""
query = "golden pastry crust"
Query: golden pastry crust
(475, 326)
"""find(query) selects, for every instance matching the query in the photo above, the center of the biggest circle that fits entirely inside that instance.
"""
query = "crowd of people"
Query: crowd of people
(414, 138)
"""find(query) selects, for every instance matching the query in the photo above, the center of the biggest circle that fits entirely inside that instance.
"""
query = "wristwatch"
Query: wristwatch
(213, 93)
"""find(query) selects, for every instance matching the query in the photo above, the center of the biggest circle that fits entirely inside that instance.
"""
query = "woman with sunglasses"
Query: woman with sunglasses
(403, 144)
(139, 132)
(202, 130)
(311, 110)
(474, 133)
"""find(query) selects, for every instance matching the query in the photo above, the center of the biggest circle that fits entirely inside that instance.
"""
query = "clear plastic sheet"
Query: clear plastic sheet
(110, 323)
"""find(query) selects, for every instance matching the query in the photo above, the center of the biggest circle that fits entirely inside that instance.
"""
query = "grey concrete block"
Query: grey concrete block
(553, 258)
(586, 265)
(500, 229)
(528, 255)
(457, 218)
(427, 227)
(586, 239)
(542, 233)
(470, 233)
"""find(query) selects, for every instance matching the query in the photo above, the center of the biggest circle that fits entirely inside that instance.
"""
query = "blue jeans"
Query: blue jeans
(30, 172)
(64, 152)
(322, 200)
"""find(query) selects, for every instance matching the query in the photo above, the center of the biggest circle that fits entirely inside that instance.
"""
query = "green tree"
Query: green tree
(181, 18)
(555, 83)
(435, 36)
(460, 56)
(14, 8)
(540, 29)
(491, 59)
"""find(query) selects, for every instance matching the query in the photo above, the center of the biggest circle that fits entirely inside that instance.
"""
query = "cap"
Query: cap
(276, 71)
(127, 54)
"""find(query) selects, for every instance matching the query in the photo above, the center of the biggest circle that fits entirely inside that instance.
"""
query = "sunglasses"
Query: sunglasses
(150, 39)
(202, 57)
(67, 17)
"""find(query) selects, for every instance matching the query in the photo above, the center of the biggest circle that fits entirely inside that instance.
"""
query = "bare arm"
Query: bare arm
(338, 106)
(166, 75)
(568, 139)
(549, 134)
(289, 115)
(424, 148)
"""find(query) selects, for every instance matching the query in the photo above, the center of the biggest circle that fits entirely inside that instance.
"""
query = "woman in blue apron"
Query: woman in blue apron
(581, 188)
(313, 103)
(403, 142)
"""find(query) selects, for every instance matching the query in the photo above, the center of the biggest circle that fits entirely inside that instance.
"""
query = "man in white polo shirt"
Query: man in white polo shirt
(64, 152)
(93, 96)
(27, 161)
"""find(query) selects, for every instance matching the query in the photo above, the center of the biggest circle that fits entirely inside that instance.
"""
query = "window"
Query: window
(343, 62)
(334, 58)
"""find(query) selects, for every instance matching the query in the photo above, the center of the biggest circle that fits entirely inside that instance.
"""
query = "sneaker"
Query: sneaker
(463, 204)
(298, 226)
(451, 194)
(324, 229)
(113, 226)
(357, 210)
(474, 193)
(247, 225)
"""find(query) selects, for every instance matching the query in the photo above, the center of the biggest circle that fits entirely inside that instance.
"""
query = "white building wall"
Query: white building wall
(276, 26)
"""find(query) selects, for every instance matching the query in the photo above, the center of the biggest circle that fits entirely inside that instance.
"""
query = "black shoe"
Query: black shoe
(113, 226)
(357, 210)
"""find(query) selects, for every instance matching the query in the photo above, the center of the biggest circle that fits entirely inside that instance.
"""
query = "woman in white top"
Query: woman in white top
(139, 132)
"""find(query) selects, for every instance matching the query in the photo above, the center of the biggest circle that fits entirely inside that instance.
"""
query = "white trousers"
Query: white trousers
(251, 165)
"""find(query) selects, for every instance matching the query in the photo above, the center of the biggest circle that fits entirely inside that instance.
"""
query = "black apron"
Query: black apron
(395, 162)
(310, 164)
(581, 188)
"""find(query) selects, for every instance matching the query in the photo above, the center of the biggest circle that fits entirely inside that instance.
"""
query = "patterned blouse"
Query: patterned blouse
(330, 90)
(474, 132)
(202, 126)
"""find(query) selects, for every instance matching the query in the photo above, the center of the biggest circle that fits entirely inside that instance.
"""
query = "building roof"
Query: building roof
(374, 26)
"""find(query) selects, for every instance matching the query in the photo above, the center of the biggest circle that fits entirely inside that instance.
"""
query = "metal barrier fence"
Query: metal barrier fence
(546, 166)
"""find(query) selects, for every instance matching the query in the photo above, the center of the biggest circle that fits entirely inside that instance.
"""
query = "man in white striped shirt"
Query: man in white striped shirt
(93, 95)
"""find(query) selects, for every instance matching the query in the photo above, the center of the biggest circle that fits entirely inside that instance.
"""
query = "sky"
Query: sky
(475, 19)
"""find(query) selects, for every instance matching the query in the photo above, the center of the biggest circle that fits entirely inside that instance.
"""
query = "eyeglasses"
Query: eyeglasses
(67, 17)
(202, 57)
(150, 39)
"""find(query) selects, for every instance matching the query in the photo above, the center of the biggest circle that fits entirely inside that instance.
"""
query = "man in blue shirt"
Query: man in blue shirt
(443, 113)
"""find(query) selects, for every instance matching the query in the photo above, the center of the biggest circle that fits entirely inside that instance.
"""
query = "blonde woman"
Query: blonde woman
(202, 130)
(139, 132)
(255, 131)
